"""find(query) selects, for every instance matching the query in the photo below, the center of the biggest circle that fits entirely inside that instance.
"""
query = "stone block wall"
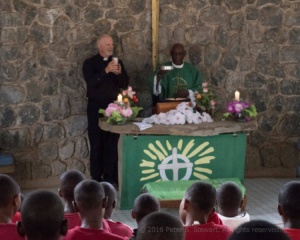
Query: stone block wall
(249, 45)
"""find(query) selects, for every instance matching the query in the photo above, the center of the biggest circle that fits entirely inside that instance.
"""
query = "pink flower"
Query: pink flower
(112, 107)
(126, 112)
(129, 89)
(213, 102)
(205, 90)
(124, 92)
(204, 84)
(238, 107)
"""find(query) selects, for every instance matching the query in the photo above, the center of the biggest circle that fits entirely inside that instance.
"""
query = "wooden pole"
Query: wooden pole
(155, 28)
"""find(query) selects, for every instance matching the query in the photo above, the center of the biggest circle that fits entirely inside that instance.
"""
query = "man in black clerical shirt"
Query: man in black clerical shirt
(104, 78)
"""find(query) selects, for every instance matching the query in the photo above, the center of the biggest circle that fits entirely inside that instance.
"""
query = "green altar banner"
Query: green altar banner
(150, 158)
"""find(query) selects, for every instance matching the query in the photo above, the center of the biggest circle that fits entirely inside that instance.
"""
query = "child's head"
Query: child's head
(42, 216)
(143, 205)
(68, 181)
(198, 203)
(258, 230)
(111, 194)
(160, 226)
(229, 199)
(10, 197)
(89, 198)
(288, 202)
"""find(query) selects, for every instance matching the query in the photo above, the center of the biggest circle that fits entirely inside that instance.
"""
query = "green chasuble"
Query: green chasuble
(187, 77)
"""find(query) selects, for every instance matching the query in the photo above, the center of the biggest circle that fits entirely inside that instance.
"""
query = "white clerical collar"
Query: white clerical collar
(177, 66)
(105, 59)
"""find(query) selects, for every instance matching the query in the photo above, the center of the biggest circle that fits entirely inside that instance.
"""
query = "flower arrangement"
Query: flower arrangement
(123, 109)
(205, 101)
(240, 110)
(183, 114)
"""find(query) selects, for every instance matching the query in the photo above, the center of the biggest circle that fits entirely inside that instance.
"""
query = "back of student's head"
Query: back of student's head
(202, 196)
(110, 193)
(160, 226)
(9, 189)
(289, 200)
(143, 205)
(68, 181)
(89, 194)
(258, 230)
(229, 197)
(42, 216)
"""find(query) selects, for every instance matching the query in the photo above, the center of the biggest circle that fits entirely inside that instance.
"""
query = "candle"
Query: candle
(120, 98)
(237, 95)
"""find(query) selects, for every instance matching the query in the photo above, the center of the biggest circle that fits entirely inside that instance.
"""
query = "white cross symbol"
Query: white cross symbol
(175, 166)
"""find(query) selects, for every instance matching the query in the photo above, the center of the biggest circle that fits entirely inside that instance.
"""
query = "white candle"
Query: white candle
(237, 95)
(120, 98)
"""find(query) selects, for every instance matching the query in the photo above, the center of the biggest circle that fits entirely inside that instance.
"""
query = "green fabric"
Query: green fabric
(188, 77)
(212, 157)
(174, 190)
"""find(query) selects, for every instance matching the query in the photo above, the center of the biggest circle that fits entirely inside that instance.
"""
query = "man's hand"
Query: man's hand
(181, 93)
(159, 75)
(113, 67)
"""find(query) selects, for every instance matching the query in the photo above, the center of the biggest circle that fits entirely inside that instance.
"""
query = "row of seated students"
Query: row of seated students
(87, 209)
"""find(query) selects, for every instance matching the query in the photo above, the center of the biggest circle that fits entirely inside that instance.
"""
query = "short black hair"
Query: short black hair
(110, 193)
(8, 189)
(229, 196)
(42, 214)
(68, 181)
(258, 230)
(289, 199)
(202, 196)
(89, 194)
(160, 226)
(145, 204)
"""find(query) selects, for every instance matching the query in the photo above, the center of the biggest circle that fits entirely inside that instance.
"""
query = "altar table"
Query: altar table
(178, 152)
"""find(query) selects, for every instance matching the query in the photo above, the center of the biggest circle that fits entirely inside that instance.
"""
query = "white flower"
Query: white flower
(179, 118)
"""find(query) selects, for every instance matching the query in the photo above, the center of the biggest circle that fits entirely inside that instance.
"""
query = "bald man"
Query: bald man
(104, 79)
(176, 82)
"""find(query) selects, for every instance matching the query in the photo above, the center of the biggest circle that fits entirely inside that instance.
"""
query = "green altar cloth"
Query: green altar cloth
(150, 158)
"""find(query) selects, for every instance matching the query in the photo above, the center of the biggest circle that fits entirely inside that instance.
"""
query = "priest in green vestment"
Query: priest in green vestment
(176, 82)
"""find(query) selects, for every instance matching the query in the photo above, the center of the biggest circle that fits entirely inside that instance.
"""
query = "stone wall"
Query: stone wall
(249, 45)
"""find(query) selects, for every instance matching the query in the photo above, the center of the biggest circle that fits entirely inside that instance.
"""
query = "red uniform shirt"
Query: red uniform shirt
(79, 233)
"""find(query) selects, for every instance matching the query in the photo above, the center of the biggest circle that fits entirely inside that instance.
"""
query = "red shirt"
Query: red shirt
(74, 220)
(120, 229)
(214, 217)
(209, 231)
(78, 233)
(16, 217)
(8, 231)
(293, 233)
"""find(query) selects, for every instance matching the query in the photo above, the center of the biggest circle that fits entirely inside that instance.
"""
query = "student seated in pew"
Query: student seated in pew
(258, 230)
(68, 182)
(229, 202)
(160, 226)
(144, 204)
(42, 217)
(195, 208)
(117, 228)
(213, 217)
(10, 201)
(90, 202)
(289, 208)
